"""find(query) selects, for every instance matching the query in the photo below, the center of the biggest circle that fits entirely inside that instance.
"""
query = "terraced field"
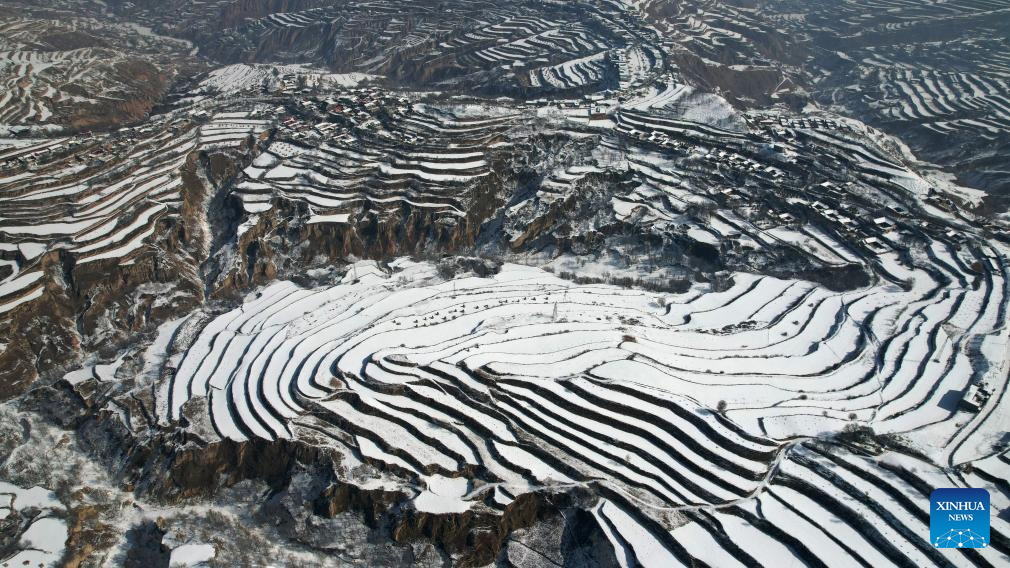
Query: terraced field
(523, 284)
(929, 72)
(697, 415)
(67, 75)
(519, 48)
(524, 380)
(95, 203)
(374, 171)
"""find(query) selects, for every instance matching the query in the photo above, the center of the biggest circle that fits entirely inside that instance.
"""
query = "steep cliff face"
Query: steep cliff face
(115, 301)
(42, 337)
(308, 488)
(284, 242)
(476, 538)
(98, 306)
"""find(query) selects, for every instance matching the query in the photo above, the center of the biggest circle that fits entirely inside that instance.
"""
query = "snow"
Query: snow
(253, 208)
(282, 172)
(334, 218)
(443, 495)
(191, 555)
(135, 244)
(758, 369)
(232, 79)
(647, 550)
(522, 375)
(19, 284)
(48, 229)
(249, 223)
(32, 250)
(45, 537)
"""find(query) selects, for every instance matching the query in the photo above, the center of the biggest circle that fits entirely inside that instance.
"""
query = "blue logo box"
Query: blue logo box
(959, 518)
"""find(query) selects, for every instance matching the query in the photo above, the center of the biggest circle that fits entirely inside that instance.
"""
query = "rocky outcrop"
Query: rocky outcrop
(146, 550)
(197, 471)
(86, 535)
(99, 305)
(477, 538)
(42, 336)
(307, 488)
(340, 498)
(284, 243)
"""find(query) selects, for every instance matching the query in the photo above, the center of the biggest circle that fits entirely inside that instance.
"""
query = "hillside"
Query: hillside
(521, 284)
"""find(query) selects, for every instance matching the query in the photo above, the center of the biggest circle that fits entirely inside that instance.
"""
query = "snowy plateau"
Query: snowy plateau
(511, 284)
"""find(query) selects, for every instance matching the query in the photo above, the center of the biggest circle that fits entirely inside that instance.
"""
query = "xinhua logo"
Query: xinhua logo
(959, 518)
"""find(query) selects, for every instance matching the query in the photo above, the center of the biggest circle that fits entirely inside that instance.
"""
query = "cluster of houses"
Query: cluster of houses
(874, 235)
(363, 102)
(298, 128)
(40, 153)
(941, 201)
(108, 151)
(778, 123)
(827, 201)
(717, 157)
(334, 117)
(739, 162)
